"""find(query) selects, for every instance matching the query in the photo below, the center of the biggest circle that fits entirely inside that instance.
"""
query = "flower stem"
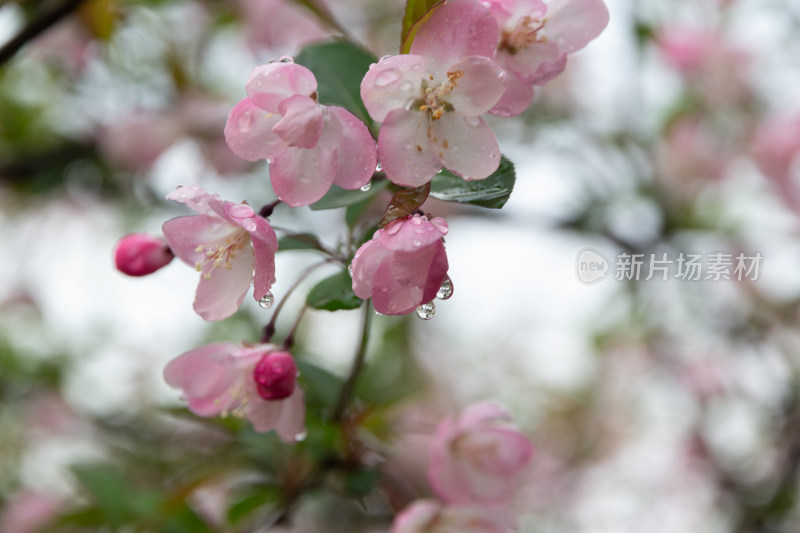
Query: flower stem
(355, 370)
(289, 340)
(269, 329)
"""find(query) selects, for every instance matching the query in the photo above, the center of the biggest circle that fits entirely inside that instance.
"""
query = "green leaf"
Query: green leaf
(334, 293)
(492, 192)
(243, 508)
(339, 67)
(337, 197)
(320, 386)
(108, 489)
(359, 483)
(417, 12)
(299, 241)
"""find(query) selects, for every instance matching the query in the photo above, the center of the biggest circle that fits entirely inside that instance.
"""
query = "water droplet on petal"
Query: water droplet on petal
(301, 436)
(249, 224)
(392, 229)
(446, 290)
(387, 77)
(426, 311)
(416, 242)
(416, 66)
(267, 301)
(473, 121)
(367, 187)
(350, 269)
(378, 313)
(241, 211)
(286, 59)
(378, 167)
(384, 57)
(245, 121)
(416, 220)
(406, 86)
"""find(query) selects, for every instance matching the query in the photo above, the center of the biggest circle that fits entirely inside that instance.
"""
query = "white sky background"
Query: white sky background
(517, 328)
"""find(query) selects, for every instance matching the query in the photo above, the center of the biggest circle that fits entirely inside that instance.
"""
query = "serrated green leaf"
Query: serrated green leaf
(339, 67)
(492, 192)
(417, 12)
(337, 197)
(299, 241)
(334, 293)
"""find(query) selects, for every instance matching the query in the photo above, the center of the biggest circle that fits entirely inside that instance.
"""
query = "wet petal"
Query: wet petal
(414, 233)
(391, 298)
(205, 383)
(515, 100)
(248, 131)
(457, 30)
(265, 245)
(301, 122)
(479, 84)
(292, 420)
(221, 294)
(468, 146)
(194, 197)
(365, 263)
(537, 63)
(301, 176)
(394, 82)
(356, 150)
(185, 234)
(272, 83)
(571, 24)
(405, 150)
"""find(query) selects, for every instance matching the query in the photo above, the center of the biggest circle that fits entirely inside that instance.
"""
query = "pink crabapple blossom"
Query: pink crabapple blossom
(430, 516)
(309, 146)
(776, 148)
(403, 265)
(140, 254)
(478, 457)
(535, 40)
(430, 101)
(253, 381)
(229, 244)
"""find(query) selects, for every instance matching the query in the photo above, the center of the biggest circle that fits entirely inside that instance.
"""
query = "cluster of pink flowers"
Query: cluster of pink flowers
(467, 59)
(477, 462)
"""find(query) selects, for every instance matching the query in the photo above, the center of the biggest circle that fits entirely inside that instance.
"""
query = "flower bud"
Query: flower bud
(139, 254)
(275, 376)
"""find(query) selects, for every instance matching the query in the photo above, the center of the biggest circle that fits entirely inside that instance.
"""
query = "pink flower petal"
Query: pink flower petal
(357, 152)
(301, 176)
(415, 233)
(221, 294)
(479, 84)
(365, 263)
(301, 123)
(205, 383)
(194, 197)
(517, 98)
(389, 296)
(537, 63)
(185, 234)
(265, 245)
(394, 82)
(457, 30)
(249, 134)
(571, 24)
(291, 424)
(417, 517)
(468, 146)
(272, 83)
(404, 148)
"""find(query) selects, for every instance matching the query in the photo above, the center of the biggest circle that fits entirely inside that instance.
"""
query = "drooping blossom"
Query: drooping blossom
(430, 101)
(776, 148)
(253, 381)
(535, 40)
(229, 244)
(140, 254)
(478, 457)
(403, 265)
(309, 146)
(430, 516)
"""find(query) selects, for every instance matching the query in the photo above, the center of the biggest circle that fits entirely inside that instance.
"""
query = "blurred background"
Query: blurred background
(658, 405)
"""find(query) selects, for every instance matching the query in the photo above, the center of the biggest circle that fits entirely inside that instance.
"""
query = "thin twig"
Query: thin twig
(289, 340)
(37, 26)
(355, 370)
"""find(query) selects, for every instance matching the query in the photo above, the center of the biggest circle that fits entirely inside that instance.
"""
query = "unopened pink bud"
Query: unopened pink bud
(139, 254)
(275, 376)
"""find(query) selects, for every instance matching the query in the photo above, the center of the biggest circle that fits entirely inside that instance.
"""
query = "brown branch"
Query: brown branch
(38, 25)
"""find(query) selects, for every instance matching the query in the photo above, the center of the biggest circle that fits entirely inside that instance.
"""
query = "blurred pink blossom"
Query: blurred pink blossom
(280, 25)
(217, 242)
(431, 100)
(776, 148)
(309, 146)
(478, 457)
(429, 516)
(238, 379)
(140, 254)
(28, 512)
(403, 265)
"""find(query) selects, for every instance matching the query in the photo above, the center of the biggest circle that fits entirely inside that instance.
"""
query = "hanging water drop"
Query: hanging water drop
(446, 290)
(301, 436)
(366, 187)
(350, 269)
(378, 167)
(378, 313)
(267, 301)
(426, 311)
